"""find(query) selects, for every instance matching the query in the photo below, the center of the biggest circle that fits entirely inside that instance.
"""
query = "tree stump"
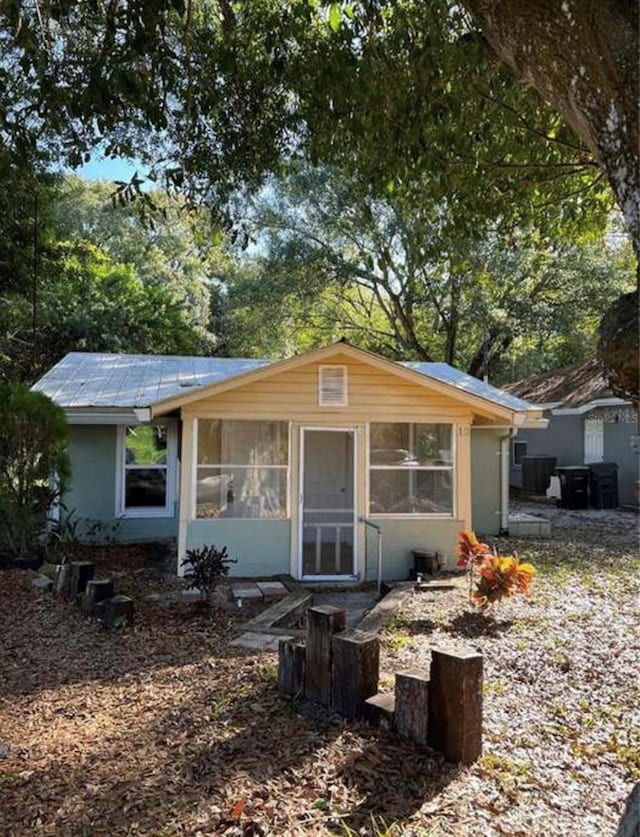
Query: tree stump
(412, 705)
(80, 573)
(97, 591)
(354, 673)
(455, 705)
(117, 612)
(291, 661)
(323, 622)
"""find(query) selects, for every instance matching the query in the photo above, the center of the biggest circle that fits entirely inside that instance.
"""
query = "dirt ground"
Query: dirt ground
(163, 729)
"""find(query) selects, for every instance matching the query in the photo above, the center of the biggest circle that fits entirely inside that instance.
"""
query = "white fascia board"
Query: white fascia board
(591, 405)
(90, 415)
(535, 424)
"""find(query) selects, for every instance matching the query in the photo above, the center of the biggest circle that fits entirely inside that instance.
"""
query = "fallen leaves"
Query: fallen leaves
(165, 730)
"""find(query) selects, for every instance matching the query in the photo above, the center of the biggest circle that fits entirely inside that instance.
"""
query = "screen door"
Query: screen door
(328, 503)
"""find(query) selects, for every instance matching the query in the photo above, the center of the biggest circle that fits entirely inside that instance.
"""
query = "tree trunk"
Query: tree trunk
(582, 57)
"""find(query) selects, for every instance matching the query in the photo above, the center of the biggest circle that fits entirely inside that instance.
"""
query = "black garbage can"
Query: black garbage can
(574, 486)
(603, 485)
(536, 473)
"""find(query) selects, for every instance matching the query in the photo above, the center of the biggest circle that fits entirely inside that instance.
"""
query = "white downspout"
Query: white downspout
(504, 480)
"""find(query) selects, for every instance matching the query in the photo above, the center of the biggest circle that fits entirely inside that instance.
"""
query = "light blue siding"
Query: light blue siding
(91, 496)
(399, 537)
(262, 547)
(485, 480)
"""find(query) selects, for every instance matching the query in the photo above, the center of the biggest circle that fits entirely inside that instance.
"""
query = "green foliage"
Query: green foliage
(105, 281)
(32, 451)
(214, 96)
(206, 567)
(331, 259)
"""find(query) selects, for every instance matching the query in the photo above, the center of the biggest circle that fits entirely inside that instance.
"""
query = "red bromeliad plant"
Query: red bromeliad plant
(501, 577)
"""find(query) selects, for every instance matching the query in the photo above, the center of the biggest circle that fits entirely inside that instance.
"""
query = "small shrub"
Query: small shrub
(498, 577)
(207, 565)
(34, 465)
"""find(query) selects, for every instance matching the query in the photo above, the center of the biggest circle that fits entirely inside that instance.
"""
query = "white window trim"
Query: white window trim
(345, 400)
(453, 468)
(168, 510)
(517, 466)
(197, 466)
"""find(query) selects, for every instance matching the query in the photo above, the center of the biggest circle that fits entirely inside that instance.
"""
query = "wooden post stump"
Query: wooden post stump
(354, 673)
(61, 579)
(117, 612)
(97, 591)
(323, 622)
(455, 705)
(291, 655)
(412, 705)
(81, 573)
(379, 710)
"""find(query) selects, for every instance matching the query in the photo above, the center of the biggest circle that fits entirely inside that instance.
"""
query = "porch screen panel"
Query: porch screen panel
(242, 469)
(411, 469)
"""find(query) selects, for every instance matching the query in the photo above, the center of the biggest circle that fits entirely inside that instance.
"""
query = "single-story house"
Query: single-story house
(586, 424)
(284, 461)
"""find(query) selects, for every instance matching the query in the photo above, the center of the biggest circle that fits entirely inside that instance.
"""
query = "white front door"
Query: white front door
(593, 441)
(328, 532)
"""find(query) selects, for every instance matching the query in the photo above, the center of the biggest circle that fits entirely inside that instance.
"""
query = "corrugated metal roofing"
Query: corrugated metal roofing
(467, 383)
(86, 379)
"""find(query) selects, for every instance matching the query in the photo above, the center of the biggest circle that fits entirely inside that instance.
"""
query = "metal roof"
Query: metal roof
(467, 383)
(88, 379)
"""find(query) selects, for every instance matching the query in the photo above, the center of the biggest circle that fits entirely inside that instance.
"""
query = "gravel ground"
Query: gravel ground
(164, 730)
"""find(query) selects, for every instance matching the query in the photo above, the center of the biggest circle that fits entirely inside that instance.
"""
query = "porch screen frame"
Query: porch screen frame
(353, 430)
(196, 466)
(453, 469)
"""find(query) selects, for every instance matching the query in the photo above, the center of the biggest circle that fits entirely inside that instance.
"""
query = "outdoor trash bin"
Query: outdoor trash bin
(603, 485)
(574, 486)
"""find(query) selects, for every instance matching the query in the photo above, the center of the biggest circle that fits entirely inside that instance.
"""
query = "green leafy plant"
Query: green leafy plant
(205, 567)
(34, 465)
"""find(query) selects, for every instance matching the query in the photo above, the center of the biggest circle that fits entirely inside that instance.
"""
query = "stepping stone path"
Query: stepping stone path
(245, 590)
(272, 589)
(258, 590)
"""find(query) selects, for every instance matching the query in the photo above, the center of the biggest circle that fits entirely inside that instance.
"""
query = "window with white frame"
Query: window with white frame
(411, 468)
(519, 450)
(242, 469)
(145, 480)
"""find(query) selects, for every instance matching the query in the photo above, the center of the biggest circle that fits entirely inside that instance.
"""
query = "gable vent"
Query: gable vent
(332, 386)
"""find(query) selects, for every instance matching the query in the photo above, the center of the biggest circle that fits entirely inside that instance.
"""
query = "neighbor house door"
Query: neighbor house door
(327, 537)
(593, 441)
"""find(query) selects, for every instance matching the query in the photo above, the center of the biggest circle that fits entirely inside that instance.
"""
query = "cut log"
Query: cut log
(354, 673)
(412, 705)
(455, 705)
(81, 573)
(62, 579)
(323, 622)
(291, 656)
(98, 589)
(379, 710)
(117, 612)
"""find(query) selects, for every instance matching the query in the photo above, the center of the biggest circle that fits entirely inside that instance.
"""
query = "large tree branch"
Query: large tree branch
(582, 57)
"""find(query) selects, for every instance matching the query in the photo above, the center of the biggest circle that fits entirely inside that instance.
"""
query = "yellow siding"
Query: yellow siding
(373, 395)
